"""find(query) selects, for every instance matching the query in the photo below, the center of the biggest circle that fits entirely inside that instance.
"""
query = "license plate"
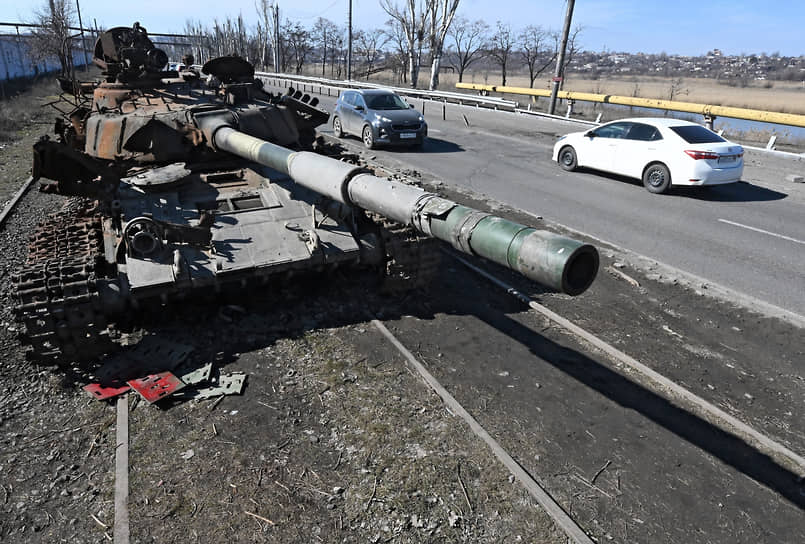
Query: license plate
(726, 158)
(408, 135)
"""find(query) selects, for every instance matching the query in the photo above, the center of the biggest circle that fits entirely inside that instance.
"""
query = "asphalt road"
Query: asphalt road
(748, 237)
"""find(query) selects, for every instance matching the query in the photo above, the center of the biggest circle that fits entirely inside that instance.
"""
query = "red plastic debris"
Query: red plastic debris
(101, 392)
(156, 386)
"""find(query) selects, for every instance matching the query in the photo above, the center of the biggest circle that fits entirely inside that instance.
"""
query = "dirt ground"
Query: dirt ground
(335, 439)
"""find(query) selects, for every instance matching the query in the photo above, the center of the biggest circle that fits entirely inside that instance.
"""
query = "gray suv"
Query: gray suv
(378, 116)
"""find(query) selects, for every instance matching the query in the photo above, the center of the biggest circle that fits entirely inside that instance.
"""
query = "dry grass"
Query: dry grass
(22, 109)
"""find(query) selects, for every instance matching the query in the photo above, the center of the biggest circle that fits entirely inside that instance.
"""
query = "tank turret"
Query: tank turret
(187, 182)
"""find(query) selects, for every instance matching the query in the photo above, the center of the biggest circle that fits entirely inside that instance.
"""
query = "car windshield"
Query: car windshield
(694, 134)
(385, 102)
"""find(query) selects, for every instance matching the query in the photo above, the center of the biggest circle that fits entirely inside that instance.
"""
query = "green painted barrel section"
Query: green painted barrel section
(495, 237)
(443, 229)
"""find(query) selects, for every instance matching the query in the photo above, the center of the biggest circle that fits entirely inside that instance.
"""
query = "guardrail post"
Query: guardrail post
(709, 120)
(569, 108)
(772, 140)
(444, 111)
(598, 117)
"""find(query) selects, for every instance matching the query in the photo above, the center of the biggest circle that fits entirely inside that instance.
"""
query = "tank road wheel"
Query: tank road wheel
(567, 159)
(368, 137)
(338, 130)
(657, 178)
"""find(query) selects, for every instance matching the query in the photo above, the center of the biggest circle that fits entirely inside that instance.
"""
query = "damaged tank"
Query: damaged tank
(187, 183)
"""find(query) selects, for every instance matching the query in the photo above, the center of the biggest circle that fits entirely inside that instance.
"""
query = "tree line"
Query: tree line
(418, 34)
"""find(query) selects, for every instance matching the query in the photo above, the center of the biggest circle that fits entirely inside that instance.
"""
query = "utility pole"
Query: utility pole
(349, 43)
(559, 73)
(83, 42)
(276, 38)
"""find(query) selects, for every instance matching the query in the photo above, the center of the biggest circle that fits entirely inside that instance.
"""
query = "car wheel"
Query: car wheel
(567, 159)
(368, 137)
(657, 178)
(338, 131)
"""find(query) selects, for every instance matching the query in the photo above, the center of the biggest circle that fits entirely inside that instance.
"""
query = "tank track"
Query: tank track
(56, 292)
(413, 260)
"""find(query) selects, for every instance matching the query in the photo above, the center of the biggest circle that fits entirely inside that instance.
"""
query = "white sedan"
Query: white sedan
(660, 151)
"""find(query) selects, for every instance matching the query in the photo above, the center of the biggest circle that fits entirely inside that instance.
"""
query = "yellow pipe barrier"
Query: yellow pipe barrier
(790, 119)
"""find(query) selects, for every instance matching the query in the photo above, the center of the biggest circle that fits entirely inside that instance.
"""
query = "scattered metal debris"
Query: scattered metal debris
(194, 376)
(157, 386)
(156, 369)
(102, 393)
(226, 384)
(152, 355)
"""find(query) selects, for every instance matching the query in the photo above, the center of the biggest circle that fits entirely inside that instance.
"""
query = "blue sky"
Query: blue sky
(686, 27)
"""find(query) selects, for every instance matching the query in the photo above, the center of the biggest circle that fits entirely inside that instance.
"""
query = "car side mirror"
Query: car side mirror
(590, 134)
(358, 108)
(411, 106)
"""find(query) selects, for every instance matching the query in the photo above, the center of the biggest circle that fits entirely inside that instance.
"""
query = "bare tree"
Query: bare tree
(339, 56)
(299, 43)
(573, 47)
(412, 23)
(469, 41)
(501, 47)
(200, 41)
(534, 43)
(323, 33)
(399, 58)
(230, 37)
(676, 88)
(368, 44)
(52, 38)
(265, 12)
(441, 14)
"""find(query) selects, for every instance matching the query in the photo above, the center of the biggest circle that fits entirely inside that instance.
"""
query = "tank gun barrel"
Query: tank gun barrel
(564, 264)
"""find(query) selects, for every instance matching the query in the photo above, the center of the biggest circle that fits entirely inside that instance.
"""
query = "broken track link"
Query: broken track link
(56, 290)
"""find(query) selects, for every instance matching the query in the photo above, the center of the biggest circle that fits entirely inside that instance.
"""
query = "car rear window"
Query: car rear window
(694, 134)
(385, 102)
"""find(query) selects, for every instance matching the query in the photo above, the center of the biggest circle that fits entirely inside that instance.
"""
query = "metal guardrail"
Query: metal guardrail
(308, 83)
(709, 111)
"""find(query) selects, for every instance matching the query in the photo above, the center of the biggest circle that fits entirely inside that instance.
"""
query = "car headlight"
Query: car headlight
(382, 119)
(561, 138)
(421, 119)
